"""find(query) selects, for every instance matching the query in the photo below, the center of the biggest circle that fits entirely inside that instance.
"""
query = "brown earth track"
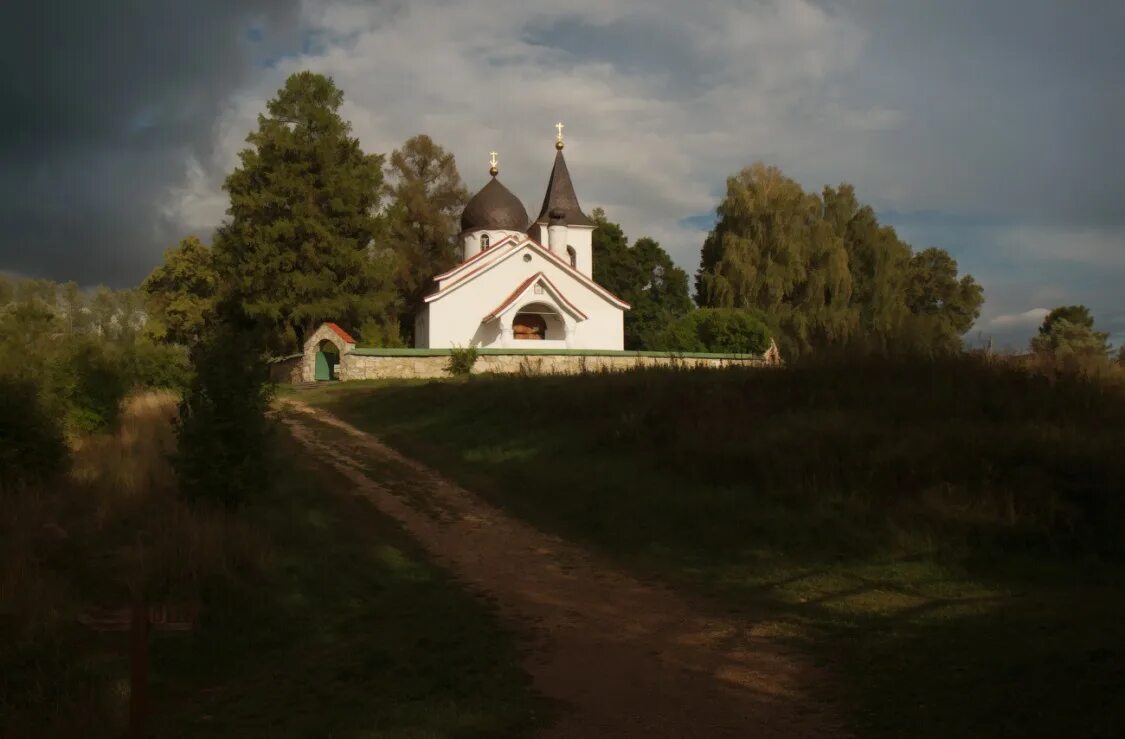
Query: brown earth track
(624, 658)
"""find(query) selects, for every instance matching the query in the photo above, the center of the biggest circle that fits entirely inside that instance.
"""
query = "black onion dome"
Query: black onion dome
(494, 208)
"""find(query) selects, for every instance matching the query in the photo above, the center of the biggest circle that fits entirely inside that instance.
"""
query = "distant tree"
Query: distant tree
(826, 273)
(1079, 315)
(74, 309)
(426, 199)
(103, 311)
(1067, 338)
(877, 262)
(180, 294)
(645, 277)
(773, 251)
(1121, 355)
(943, 306)
(297, 248)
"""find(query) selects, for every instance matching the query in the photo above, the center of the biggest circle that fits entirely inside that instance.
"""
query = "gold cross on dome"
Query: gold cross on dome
(559, 127)
(492, 160)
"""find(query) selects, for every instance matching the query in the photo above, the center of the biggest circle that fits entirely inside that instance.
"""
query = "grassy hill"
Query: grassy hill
(947, 534)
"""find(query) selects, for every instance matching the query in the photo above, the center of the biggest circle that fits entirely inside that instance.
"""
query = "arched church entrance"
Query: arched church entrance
(529, 327)
(538, 322)
(327, 357)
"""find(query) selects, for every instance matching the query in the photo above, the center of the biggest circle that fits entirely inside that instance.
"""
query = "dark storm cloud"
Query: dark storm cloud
(102, 103)
(1019, 104)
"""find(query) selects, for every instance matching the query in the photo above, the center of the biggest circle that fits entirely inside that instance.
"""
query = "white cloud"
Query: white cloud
(469, 75)
(1026, 320)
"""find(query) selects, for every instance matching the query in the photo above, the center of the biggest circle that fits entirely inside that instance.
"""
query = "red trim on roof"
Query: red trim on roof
(575, 273)
(512, 297)
(523, 288)
(473, 258)
(341, 333)
(565, 266)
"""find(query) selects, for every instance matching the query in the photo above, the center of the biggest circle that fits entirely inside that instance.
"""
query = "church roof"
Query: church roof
(467, 271)
(560, 196)
(494, 208)
(525, 286)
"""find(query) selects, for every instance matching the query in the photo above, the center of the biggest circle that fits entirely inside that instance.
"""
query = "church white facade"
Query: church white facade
(523, 283)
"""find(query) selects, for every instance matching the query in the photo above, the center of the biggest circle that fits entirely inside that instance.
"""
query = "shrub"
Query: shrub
(156, 366)
(720, 330)
(461, 361)
(87, 385)
(223, 431)
(32, 448)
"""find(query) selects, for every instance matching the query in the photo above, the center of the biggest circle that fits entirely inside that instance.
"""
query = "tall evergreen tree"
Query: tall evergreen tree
(426, 200)
(297, 248)
(645, 277)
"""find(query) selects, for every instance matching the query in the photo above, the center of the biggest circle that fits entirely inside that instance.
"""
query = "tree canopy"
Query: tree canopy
(426, 199)
(180, 293)
(824, 270)
(645, 277)
(297, 248)
(1067, 338)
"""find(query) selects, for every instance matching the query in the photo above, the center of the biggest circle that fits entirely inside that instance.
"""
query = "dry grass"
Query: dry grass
(112, 531)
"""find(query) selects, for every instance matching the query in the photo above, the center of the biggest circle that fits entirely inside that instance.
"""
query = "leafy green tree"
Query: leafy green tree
(943, 306)
(720, 330)
(877, 262)
(426, 199)
(644, 276)
(297, 248)
(180, 294)
(773, 251)
(826, 273)
(1121, 355)
(1067, 338)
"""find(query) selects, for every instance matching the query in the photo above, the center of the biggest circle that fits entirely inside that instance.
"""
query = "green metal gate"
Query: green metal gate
(323, 367)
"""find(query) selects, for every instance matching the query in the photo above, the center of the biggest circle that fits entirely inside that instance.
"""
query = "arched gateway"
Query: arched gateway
(323, 351)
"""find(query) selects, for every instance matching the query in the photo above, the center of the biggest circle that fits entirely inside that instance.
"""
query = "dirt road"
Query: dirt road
(624, 658)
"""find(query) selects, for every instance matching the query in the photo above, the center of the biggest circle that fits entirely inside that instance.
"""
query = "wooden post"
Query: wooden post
(138, 657)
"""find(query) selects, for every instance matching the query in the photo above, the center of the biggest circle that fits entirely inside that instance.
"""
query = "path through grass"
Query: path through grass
(941, 618)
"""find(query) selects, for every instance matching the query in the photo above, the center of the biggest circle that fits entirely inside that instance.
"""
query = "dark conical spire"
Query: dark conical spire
(560, 196)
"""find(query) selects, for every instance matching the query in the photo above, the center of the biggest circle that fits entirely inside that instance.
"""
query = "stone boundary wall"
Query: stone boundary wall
(370, 367)
(287, 370)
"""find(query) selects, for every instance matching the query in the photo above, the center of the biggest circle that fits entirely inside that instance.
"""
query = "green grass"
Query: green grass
(944, 536)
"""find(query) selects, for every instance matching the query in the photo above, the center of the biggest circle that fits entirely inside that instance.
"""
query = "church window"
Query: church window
(538, 288)
(484, 242)
(527, 257)
(570, 252)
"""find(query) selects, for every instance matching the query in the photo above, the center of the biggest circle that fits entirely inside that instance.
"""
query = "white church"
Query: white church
(523, 283)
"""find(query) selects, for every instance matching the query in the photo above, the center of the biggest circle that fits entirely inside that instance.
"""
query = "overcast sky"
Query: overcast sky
(991, 129)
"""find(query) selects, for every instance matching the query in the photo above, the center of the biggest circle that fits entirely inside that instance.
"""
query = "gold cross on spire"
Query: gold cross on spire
(559, 138)
(492, 161)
